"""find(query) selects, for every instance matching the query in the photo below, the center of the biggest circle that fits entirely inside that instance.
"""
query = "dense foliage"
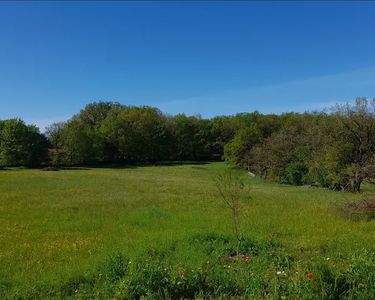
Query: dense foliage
(21, 144)
(334, 150)
(108, 132)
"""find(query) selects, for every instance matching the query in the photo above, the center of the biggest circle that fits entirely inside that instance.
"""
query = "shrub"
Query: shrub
(296, 172)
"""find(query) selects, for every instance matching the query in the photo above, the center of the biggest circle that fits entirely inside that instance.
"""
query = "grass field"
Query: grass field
(163, 232)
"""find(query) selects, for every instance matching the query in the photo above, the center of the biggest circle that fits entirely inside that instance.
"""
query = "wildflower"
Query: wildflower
(279, 273)
(310, 276)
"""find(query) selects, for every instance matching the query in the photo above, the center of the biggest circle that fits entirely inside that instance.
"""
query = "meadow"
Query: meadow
(164, 232)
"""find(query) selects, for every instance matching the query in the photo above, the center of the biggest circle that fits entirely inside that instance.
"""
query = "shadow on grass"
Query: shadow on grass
(129, 166)
(108, 166)
(14, 169)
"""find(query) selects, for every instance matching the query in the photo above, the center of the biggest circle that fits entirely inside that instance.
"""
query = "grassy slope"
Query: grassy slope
(58, 224)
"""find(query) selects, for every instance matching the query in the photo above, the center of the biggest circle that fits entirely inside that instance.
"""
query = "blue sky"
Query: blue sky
(207, 58)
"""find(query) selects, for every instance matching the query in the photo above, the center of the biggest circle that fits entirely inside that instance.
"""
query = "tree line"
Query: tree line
(333, 149)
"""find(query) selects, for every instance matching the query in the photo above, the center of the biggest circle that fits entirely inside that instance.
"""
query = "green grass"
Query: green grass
(58, 230)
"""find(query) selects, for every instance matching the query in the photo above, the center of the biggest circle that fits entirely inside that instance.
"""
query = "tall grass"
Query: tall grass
(158, 232)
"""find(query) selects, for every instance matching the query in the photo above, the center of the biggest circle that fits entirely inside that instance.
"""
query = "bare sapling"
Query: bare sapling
(232, 191)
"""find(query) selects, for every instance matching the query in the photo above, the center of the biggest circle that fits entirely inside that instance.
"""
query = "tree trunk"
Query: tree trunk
(357, 181)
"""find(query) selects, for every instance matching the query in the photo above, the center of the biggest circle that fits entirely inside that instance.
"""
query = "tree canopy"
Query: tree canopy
(334, 150)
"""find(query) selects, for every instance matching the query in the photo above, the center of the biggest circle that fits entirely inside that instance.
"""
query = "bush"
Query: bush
(296, 172)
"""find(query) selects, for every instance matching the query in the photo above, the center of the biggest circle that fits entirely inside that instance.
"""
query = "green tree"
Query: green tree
(37, 147)
(21, 144)
(283, 156)
(222, 131)
(190, 136)
(137, 134)
(349, 156)
(95, 113)
(238, 151)
(77, 142)
(53, 133)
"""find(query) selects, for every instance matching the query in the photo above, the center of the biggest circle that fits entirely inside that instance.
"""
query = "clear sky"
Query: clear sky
(205, 58)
